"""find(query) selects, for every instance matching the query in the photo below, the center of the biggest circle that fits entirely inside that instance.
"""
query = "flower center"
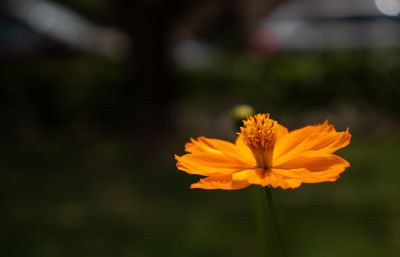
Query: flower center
(259, 134)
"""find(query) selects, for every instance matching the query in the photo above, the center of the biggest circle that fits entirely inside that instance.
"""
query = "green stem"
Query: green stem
(259, 210)
(272, 210)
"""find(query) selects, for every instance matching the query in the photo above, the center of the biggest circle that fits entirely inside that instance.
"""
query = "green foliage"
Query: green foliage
(306, 80)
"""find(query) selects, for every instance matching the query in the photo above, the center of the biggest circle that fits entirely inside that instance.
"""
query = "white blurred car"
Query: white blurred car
(317, 25)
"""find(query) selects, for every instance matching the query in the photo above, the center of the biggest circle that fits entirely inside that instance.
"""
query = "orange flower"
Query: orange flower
(267, 154)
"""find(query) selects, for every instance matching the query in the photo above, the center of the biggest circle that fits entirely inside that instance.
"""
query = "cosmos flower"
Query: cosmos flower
(267, 154)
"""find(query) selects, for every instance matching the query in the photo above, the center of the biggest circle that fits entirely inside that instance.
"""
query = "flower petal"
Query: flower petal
(244, 150)
(305, 176)
(282, 131)
(220, 182)
(240, 175)
(203, 144)
(313, 167)
(210, 145)
(207, 164)
(270, 178)
(322, 138)
(195, 146)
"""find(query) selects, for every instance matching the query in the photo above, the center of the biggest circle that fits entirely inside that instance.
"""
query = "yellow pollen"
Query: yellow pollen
(259, 132)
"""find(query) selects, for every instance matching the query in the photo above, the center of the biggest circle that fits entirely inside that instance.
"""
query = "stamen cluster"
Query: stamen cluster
(259, 133)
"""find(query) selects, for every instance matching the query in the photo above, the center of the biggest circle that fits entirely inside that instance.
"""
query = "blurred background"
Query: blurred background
(96, 96)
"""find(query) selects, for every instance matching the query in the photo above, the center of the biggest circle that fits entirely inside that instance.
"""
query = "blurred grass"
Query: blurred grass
(97, 200)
